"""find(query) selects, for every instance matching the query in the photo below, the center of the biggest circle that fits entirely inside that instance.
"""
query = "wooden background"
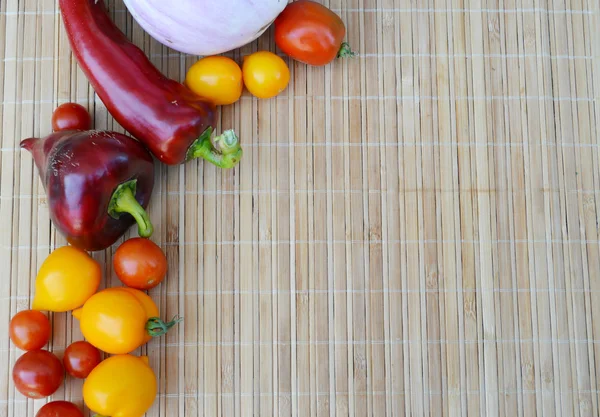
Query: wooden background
(414, 231)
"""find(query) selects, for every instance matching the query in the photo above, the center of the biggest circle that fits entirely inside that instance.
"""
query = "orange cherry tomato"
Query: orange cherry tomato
(67, 277)
(140, 263)
(311, 33)
(265, 74)
(80, 358)
(29, 330)
(120, 319)
(216, 78)
(121, 386)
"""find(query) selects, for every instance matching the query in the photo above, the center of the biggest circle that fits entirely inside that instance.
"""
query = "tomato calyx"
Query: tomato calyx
(157, 327)
(345, 51)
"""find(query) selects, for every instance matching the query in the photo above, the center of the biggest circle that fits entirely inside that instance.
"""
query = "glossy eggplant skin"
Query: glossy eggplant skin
(82, 173)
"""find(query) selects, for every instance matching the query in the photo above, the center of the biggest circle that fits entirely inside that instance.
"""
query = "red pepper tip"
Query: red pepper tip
(27, 143)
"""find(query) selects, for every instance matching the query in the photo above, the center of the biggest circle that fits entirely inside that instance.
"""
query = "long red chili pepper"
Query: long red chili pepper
(173, 122)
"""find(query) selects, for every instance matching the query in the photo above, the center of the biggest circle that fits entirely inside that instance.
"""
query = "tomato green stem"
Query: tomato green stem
(123, 201)
(224, 151)
(345, 51)
(156, 327)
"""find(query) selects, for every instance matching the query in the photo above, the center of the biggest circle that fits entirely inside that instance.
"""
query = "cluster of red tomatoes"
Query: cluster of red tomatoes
(38, 373)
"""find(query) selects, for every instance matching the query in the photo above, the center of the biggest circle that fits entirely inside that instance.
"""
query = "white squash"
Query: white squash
(205, 27)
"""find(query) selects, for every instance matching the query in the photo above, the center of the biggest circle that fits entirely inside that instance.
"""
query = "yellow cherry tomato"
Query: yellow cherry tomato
(67, 278)
(265, 74)
(120, 386)
(216, 78)
(119, 320)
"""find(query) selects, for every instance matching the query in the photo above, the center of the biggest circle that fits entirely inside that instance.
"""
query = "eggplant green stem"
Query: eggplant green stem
(156, 327)
(224, 151)
(123, 201)
(345, 51)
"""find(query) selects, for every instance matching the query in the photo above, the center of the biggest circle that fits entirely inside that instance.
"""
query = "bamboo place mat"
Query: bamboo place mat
(410, 232)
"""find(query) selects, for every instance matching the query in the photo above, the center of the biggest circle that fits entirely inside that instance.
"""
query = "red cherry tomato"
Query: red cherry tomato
(80, 358)
(29, 330)
(59, 409)
(140, 263)
(38, 374)
(71, 116)
(311, 33)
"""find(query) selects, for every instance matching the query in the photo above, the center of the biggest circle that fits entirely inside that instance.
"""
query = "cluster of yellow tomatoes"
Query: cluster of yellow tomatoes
(115, 320)
(221, 79)
(305, 31)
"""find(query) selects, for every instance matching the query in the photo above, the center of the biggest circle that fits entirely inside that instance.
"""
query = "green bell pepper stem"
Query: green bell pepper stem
(123, 201)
